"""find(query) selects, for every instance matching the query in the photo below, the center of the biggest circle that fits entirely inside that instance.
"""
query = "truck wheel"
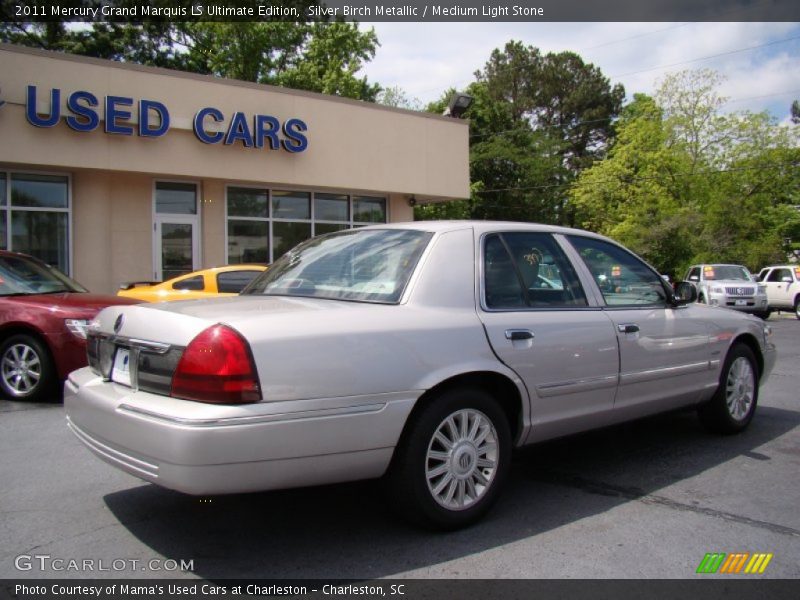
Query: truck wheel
(452, 460)
(732, 407)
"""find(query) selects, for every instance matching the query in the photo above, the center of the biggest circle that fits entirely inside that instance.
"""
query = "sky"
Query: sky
(760, 61)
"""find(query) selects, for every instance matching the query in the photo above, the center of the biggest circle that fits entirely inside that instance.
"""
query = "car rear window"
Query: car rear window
(359, 265)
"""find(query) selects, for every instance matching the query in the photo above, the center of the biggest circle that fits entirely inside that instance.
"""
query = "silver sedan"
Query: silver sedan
(422, 352)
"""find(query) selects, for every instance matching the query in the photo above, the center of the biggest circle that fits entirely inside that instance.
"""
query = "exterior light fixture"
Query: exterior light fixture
(412, 201)
(459, 103)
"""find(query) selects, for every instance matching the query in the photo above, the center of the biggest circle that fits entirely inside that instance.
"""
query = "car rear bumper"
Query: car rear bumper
(208, 449)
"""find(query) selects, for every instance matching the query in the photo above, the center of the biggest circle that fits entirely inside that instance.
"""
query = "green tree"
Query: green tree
(686, 183)
(316, 56)
(397, 97)
(555, 112)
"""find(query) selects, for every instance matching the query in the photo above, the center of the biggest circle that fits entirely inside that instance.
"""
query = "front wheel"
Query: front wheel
(26, 369)
(734, 403)
(452, 460)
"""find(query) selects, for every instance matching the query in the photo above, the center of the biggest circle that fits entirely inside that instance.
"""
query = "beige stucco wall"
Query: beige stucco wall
(112, 229)
(353, 147)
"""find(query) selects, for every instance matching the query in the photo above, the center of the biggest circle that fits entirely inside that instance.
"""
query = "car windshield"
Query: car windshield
(361, 265)
(729, 272)
(22, 276)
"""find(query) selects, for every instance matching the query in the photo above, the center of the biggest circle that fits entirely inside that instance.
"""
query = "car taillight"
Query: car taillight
(216, 367)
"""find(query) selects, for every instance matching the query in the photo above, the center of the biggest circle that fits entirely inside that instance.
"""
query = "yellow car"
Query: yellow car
(208, 283)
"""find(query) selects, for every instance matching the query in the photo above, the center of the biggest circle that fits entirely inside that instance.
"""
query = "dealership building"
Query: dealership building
(116, 172)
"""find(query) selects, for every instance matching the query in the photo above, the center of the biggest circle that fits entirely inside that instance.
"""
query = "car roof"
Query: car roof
(481, 227)
(717, 265)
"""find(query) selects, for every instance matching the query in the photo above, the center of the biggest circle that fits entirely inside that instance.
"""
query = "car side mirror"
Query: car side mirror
(685, 293)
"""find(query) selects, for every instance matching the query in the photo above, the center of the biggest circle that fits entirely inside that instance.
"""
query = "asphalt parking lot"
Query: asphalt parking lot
(642, 500)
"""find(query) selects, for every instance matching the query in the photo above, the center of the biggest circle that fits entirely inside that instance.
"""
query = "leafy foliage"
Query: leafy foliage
(536, 121)
(684, 183)
(316, 56)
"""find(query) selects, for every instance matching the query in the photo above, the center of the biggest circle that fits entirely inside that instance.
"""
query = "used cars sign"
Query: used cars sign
(84, 111)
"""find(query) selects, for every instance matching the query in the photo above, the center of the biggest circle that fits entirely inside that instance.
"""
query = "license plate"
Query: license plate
(741, 303)
(121, 371)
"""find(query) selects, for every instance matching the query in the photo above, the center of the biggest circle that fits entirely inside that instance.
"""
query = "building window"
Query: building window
(34, 216)
(176, 198)
(265, 224)
(368, 209)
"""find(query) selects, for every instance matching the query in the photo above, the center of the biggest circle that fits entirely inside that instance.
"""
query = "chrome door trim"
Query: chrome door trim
(664, 373)
(561, 388)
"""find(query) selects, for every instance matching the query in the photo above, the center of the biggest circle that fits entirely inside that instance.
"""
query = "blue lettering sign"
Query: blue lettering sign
(84, 114)
(85, 118)
(267, 127)
(296, 141)
(199, 130)
(113, 113)
(32, 114)
(145, 129)
(238, 130)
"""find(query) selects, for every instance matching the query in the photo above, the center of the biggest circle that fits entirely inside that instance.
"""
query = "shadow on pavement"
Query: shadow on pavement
(347, 531)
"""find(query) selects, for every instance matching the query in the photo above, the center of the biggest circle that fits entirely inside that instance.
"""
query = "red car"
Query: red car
(44, 316)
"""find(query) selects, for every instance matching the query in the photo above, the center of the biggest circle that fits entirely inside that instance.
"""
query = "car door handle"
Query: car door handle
(519, 334)
(628, 328)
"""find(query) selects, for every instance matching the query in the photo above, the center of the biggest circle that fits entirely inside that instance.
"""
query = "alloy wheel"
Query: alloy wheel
(21, 369)
(740, 388)
(461, 460)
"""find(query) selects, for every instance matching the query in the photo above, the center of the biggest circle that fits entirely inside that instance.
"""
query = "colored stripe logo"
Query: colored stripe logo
(734, 563)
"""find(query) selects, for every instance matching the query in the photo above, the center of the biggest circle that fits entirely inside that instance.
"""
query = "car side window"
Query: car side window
(779, 274)
(233, 282)
(623, 279)
(529, 270)
(194, 284)
(694, 274)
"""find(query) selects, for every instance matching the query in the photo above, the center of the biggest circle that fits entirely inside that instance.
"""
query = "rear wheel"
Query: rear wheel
(797, 307)
(26, 369)
(452, 460)
(734, 403)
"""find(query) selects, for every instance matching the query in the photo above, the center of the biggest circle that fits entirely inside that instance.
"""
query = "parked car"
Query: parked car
(44, 316)
(729, 286)
(208, 283)
(420, 351)
(783, 287)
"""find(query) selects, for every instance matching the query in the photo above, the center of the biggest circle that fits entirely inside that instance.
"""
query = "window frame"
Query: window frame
(9, 208)
(567, 255)
(270, 219)
(196, 220)
(587, 273)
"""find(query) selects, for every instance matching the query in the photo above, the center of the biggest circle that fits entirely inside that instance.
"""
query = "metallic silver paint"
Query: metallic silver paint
(340, 379)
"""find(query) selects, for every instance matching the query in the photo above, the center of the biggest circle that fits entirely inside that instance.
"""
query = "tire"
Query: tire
(26, 369)
(452, 460)
(701, 299)
(734, 403)
(797, 307)
(763, 315)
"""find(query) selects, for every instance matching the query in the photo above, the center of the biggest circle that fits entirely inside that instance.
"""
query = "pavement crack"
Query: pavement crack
(632, 493)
